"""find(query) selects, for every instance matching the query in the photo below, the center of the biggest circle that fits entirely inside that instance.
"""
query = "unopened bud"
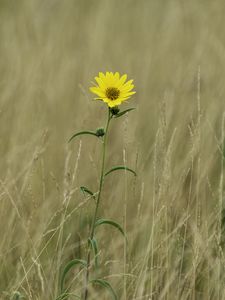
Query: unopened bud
(114, 110)
(100, 132)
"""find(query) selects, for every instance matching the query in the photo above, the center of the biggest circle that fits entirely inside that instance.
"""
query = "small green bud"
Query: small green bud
(100, 132)
(114, 110)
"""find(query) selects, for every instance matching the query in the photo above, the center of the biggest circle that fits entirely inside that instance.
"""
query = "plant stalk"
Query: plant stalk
(92, 231)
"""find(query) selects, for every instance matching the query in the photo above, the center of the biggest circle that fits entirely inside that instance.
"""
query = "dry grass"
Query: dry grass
(49, 53)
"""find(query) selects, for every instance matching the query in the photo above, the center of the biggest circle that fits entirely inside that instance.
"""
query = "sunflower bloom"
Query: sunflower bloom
(112, 88)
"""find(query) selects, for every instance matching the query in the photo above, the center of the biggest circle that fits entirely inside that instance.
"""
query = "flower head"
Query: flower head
(112, 88)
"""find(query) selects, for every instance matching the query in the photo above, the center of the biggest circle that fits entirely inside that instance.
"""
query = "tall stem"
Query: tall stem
(92, 231)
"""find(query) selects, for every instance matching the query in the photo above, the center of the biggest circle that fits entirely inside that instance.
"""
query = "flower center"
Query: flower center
(112, 93)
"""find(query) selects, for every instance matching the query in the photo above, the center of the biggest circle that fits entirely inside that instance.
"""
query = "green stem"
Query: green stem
(92, 231)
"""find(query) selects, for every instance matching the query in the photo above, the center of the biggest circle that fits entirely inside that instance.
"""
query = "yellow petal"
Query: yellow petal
(125, 85)
(123, 79)
(127, 94)
(113, 79)
(126, 88)
(97, 91)
(109, 79)
(100, 82)
(112, 103)
(123, 98)
(106, 100)
(117, 102)
(101, 76)
(117, 75)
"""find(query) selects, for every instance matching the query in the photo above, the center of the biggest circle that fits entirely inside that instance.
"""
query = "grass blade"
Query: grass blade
(112, 223)
(120, 168)
(68, 267)
(106, 285)
(94, 245)
(66, 295)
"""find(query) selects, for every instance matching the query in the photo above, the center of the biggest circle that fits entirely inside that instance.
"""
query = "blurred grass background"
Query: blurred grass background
(50, 52)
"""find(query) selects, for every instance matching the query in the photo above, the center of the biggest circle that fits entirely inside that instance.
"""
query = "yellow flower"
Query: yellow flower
(112, 88)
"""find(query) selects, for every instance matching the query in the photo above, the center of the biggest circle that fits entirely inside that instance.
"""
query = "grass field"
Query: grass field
(173, 211)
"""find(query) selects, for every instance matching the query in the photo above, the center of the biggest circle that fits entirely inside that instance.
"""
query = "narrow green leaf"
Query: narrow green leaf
(94, 245)
(110, 222)
(64, 296)
(80, 133)
(106, 285)
(67, 268)
(86, 190)
(123, 112)
(120, 168)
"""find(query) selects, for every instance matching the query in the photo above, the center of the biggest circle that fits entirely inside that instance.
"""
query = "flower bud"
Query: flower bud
(100, 132)
(114, 110)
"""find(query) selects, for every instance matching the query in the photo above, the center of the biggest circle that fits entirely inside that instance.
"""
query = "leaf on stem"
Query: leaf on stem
(81, 133)
(120, 168)
(68, 267)
(106, 285)
(94, 245)
(110, 222)
(86, 190)
(123, 112)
